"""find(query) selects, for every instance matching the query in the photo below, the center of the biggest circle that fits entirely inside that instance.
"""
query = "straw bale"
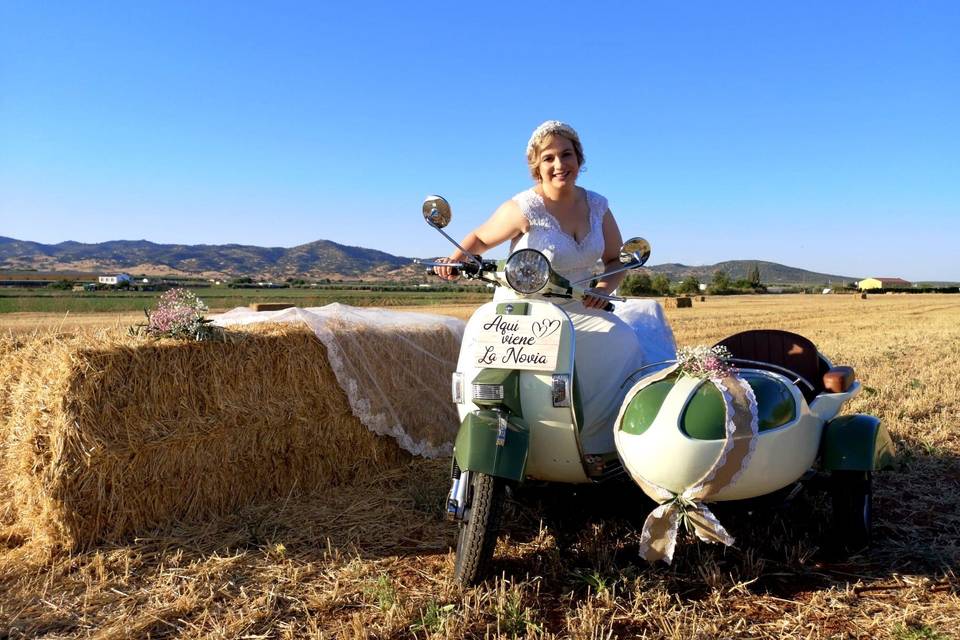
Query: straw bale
(677, 303)
(270, 306)
(106, 436)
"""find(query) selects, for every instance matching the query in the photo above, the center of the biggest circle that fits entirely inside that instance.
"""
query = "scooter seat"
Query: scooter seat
(782, 349)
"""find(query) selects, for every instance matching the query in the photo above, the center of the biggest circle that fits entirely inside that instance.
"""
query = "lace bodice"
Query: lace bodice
(571, 259)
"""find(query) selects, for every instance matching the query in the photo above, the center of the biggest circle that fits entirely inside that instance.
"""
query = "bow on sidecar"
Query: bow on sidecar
(673, 429)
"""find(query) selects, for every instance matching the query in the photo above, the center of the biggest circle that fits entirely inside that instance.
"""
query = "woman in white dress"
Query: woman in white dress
(577, 232)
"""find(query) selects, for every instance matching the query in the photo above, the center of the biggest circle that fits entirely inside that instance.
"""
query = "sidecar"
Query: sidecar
(672, 429)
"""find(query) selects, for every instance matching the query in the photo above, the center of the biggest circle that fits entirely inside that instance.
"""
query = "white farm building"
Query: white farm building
(114, 280)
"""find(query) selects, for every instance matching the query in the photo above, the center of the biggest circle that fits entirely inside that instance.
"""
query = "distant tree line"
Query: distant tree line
(917, 290)
(722, 284)
(642, 284)
(67, 285)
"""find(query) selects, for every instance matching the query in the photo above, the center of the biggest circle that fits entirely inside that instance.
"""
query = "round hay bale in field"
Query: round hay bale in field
(103, 437)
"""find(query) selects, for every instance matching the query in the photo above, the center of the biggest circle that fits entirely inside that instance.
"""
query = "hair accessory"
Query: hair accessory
(548, 128)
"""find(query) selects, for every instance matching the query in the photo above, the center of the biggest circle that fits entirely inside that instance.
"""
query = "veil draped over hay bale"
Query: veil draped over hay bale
(393, 366)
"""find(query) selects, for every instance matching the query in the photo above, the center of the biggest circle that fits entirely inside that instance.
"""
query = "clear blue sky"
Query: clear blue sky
(823, 135)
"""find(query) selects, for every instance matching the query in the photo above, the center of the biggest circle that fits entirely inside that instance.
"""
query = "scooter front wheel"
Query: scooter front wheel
(477, 535)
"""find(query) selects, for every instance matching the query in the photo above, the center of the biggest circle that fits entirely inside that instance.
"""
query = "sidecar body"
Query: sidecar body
(672, 430)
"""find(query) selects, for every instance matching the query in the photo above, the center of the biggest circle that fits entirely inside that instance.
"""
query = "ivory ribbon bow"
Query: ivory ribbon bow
(659, 537)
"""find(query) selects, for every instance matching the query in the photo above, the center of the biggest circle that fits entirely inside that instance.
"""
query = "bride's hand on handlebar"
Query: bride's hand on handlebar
(447, 273)
(593, 302)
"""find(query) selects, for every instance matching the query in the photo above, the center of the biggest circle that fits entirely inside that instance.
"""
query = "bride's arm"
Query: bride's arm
(507, 222)
(612, 243)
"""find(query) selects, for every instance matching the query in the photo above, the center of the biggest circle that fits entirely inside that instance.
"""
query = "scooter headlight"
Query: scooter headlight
(527, 271)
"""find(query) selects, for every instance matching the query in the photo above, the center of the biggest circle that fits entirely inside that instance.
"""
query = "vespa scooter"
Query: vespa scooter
(516, 391)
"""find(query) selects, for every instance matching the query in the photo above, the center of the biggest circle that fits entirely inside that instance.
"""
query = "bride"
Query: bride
(577, 232)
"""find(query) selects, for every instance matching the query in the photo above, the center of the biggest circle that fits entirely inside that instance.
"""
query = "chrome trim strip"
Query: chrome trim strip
(630, 379)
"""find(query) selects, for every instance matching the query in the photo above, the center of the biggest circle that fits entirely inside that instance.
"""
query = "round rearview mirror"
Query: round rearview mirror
(635, 250)
(436, 211)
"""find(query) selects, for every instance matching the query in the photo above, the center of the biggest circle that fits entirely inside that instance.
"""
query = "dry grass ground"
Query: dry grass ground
(374, 561)
(24, 323)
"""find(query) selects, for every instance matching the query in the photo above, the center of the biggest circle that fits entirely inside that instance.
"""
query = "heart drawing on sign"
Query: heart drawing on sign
(542, 329)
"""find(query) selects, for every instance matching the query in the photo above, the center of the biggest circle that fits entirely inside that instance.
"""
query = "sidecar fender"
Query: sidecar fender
(857, 442)
(476, 448)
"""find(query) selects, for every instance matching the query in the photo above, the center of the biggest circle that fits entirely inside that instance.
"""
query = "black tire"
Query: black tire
(852, 496)
(477, 534)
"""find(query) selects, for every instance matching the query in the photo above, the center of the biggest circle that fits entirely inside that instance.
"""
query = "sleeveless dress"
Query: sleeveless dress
(609, 346)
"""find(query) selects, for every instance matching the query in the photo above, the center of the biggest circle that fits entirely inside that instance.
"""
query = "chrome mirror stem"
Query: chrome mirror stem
(472, 257)
(632, 265)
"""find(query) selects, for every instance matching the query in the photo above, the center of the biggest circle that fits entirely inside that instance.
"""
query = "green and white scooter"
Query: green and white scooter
(515, 391)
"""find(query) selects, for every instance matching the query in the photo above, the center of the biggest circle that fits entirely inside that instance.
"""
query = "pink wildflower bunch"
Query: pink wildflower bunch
(705, 362)
(179, 314)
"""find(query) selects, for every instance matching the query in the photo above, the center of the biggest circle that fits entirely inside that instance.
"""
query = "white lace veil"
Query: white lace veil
(394, 366)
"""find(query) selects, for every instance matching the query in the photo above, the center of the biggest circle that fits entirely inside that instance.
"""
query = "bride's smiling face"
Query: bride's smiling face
(558, 165)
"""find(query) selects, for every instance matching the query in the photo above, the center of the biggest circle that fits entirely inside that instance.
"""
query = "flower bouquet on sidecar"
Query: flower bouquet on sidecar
(745, 418)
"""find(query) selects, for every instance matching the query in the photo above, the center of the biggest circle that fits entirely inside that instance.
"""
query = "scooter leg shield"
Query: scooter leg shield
(477, 447)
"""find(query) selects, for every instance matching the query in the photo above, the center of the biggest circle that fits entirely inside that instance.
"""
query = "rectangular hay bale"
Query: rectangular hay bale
(106, 437)
(677, 303)
(270, 306)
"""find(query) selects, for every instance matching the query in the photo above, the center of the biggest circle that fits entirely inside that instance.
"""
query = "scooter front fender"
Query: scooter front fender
(476, 447)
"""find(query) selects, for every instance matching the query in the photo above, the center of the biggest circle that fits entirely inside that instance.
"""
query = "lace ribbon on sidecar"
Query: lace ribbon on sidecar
(741, 426)
(394, 367)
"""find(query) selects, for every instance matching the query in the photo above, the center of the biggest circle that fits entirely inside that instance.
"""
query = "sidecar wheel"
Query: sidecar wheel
(852, 496)
(478, 531)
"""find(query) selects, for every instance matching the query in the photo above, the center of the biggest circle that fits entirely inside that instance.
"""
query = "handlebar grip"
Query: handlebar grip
(430, 272)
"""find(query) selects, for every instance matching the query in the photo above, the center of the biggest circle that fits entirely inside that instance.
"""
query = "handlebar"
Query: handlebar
(475, 269)
(580, 293)
(468, 269)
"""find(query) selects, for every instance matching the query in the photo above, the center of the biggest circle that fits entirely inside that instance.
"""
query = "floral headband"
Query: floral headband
(548, 128)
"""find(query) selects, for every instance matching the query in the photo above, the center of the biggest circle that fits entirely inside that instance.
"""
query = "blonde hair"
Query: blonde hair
(540, 136)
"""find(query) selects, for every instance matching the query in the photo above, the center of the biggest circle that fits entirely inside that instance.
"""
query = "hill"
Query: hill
(770, 273)
(318, 259)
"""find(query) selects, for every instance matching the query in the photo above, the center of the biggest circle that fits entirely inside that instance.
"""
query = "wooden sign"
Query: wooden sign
(518, 342)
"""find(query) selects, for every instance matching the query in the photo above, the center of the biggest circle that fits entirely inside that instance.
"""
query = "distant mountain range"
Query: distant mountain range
(313, 260)
(319, 259)
(770, 273)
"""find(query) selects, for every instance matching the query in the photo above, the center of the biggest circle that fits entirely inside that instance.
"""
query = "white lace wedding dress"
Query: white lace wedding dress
(609, 346)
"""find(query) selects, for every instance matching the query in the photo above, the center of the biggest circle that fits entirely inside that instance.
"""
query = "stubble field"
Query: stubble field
(375, 560)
